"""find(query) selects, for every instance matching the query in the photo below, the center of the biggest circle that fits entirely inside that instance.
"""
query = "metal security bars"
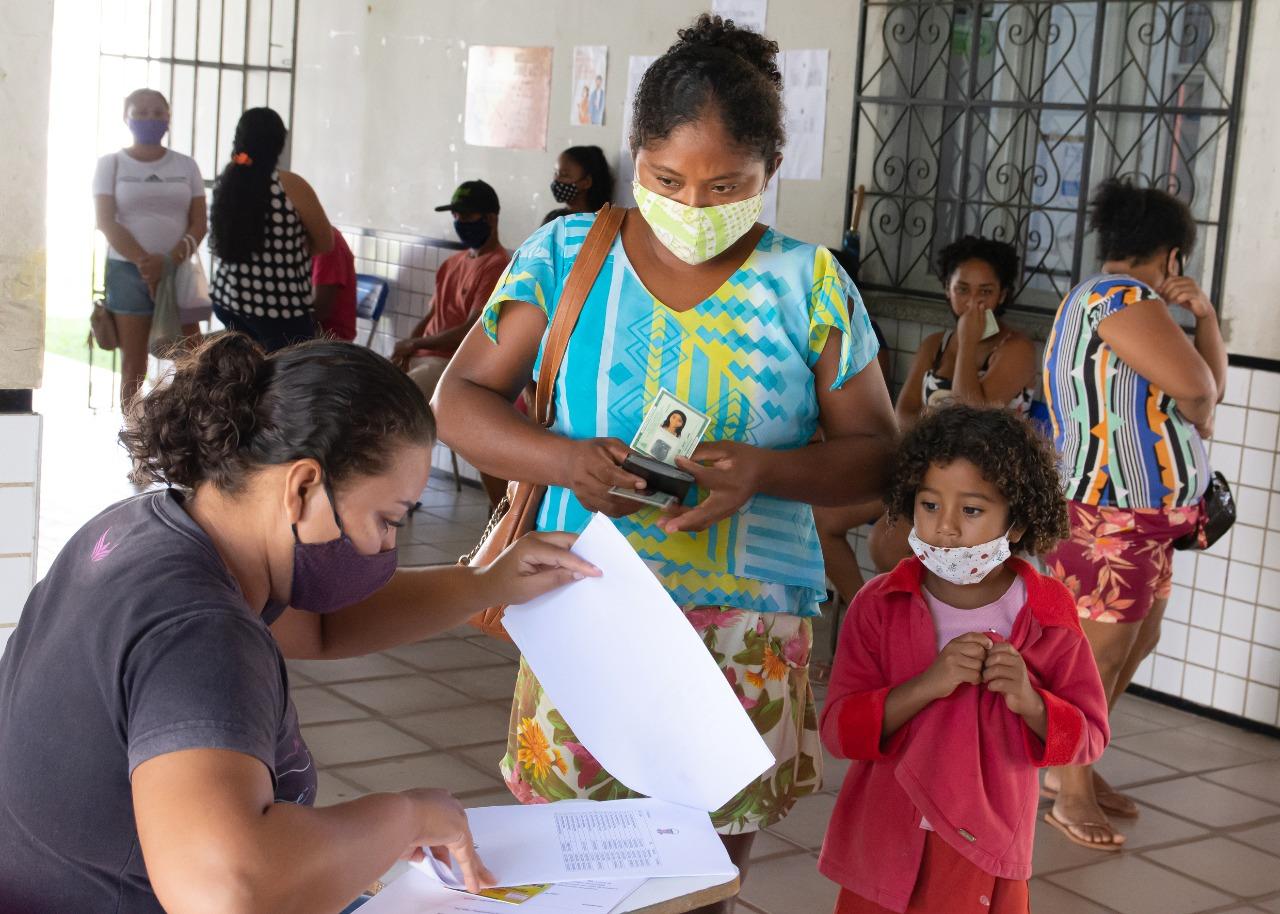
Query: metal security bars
(212, 58)
(996, 118)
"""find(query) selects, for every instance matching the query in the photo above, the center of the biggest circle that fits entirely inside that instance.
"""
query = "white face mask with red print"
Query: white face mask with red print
(962, 565)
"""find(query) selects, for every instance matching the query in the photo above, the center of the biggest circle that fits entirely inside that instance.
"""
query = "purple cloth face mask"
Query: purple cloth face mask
(334, 575)
(147, 131)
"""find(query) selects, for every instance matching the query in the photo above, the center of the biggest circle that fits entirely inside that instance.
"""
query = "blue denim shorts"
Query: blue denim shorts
(126, 292)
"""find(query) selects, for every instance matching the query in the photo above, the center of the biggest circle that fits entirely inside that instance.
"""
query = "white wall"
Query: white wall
(26, 33)
(1251, 306)
(380, 100)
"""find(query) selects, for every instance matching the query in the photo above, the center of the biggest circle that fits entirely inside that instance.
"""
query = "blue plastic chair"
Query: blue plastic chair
(371, 299)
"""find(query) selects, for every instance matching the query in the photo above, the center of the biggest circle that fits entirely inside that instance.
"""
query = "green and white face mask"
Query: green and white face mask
(696, 233)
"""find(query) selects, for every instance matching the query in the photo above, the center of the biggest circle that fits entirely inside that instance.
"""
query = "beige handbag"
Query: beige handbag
(518, 511)
(102, 326)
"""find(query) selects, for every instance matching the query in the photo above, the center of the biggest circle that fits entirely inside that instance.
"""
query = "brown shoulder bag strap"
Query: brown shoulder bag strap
(595, 248)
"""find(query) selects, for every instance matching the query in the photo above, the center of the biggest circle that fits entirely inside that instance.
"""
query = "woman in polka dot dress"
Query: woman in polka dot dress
(265, 226)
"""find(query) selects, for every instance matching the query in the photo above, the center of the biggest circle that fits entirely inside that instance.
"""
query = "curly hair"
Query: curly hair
(242, 195)
(1134, 223)
(715, 63)
(1001, 256)
(229, 410)
(1009, 453)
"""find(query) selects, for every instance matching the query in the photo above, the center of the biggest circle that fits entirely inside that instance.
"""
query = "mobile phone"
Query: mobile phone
(1181, 261)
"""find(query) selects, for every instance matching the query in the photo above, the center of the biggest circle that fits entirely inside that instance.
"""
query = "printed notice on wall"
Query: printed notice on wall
(586, 106)
(508, 97)
(747, 14)
(804, 95)
(636, 65)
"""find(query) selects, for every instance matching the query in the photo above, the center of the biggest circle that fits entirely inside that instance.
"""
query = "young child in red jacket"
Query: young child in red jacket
(958, 675)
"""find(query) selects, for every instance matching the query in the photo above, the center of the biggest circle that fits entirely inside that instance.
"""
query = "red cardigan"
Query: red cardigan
(966, 763)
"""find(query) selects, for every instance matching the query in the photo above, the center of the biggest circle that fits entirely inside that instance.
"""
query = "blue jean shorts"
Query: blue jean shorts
(126, 291)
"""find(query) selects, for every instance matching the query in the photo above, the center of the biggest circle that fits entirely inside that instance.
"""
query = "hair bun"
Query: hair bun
(713, 31)
(191, 428)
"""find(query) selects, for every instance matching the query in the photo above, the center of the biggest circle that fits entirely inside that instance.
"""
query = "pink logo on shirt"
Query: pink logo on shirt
(102, 549)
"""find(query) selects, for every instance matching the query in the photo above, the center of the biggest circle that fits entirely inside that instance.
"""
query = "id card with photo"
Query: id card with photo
(671, 429)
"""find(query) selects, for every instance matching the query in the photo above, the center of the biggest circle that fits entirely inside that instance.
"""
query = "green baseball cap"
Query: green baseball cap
(472, 197)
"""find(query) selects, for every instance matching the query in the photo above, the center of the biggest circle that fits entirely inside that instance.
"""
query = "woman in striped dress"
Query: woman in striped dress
(1131, 399)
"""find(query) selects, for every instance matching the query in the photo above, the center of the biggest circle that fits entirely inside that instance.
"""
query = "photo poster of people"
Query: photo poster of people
(586, 107)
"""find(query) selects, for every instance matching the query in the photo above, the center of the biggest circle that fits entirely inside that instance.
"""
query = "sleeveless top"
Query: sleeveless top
(276, 281)
(1120, 439)
(936, 390)
(744, 356)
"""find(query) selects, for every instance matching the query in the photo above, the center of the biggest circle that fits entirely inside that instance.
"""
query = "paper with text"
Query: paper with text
(634, 681)
(574, 840)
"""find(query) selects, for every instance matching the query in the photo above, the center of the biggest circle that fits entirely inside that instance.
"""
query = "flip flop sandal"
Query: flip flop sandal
(1065, 828)
(1113, 808)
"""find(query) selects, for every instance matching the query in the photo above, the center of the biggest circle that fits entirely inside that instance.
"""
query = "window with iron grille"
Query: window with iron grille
(996, 119)
(211, 58)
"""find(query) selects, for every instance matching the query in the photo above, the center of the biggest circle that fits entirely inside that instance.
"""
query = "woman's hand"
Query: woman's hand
(593, 467)
(1184, 291)
(152, 269)
(731, 472)
(533, 565)
(444, 830)
(970, 326)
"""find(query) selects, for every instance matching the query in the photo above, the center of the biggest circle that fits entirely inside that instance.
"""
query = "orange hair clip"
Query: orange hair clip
(242, 158)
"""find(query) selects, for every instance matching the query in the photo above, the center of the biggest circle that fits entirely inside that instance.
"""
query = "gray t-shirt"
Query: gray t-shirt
(136, 644)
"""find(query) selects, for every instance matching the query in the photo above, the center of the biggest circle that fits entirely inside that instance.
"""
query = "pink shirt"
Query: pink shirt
(952, 621)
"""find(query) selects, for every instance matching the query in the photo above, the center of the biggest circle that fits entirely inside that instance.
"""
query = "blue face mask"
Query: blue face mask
(472, 234)
(148, 131)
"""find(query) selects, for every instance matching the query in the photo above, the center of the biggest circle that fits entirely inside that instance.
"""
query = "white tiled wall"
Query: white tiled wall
(408, 263)
(1220, 644)
(19, 493)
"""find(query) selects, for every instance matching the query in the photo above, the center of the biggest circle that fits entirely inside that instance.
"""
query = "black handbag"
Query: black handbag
(1217, 514)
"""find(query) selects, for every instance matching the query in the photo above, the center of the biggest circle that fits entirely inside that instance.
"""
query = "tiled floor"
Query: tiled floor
(435, 713)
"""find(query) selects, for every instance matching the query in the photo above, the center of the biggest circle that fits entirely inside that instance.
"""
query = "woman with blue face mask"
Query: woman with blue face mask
(149, 203)
(764, 334)
(152, 758)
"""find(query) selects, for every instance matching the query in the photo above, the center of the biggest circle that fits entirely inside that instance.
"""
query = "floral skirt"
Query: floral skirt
(765, 657)
(1119, 561)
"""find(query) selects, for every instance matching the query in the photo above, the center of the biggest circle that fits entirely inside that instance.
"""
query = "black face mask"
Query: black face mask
(472, 234)
(563, 192)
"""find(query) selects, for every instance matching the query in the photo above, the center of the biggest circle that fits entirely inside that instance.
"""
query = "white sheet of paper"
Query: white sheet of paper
(804, 96)
(568, 841)
(417, 892)
(635, 682)
(636, 65)
(748, 14)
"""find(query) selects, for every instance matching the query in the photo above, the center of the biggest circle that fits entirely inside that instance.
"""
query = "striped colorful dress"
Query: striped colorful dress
(749, 585)
(1120, 439)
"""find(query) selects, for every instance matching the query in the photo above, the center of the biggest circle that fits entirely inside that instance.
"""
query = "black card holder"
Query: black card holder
(661, 477)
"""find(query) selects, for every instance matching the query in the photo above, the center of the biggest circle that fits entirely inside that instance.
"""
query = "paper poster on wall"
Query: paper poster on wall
(508, 96)
(586, 106)
(747, 14)
(636, 65)
(804, 96)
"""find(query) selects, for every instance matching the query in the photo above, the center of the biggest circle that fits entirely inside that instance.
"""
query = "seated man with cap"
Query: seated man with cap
(463, 284)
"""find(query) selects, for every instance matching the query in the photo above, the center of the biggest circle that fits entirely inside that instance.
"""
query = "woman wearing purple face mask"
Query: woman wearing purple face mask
(152, 758)
(150, 206)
